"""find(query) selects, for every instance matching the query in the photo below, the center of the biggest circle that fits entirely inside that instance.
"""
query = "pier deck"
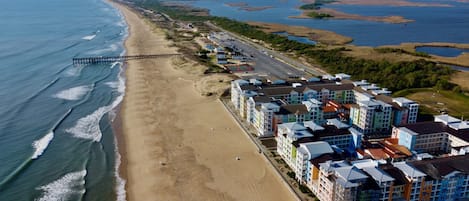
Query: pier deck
(110, 59)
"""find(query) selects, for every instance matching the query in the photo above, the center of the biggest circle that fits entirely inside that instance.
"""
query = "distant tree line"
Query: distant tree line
(393, 75)
(316, 5)
(401, 51)
(317, 15)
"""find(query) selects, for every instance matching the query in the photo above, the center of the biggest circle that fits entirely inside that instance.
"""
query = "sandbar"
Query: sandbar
(341, 15)
(245, 6)
(386, 3)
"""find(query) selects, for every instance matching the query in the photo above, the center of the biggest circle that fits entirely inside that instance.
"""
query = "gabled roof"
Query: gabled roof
(378, 174)
(292, 126)
(400, 178)
(292, 109)
(409, 170)
(315, 149)
(313, 126)
(441, 167)
(348, 175)
(429, 127)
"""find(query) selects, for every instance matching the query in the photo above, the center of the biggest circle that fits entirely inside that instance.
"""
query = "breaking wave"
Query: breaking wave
(71, 184)
(75, 93)
(90, 37)
(41, 145)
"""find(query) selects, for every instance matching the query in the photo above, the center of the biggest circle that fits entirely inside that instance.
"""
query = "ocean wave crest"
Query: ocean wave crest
(63, 188)
(88, 126)
(75, 93)
(111, 48)
(90, 37)
(41, 145)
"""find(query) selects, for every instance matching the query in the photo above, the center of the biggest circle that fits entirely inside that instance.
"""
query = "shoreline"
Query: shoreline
(319, 35)
(245, 6)
(460, 60)
(170, 137)
(384, 3)
(334, 40)
(116, 124)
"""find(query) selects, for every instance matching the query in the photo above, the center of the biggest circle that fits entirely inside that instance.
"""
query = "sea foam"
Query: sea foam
(64, 188)
(88, 126)
(75, 93)
(111, 48)
(90, 37)
(120, 182)
(41, 145)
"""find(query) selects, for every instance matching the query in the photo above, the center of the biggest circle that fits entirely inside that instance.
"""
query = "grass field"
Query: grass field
(435, 101)
(461, 79)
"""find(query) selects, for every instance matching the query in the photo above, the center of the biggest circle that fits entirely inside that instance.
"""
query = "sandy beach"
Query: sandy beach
(180, 145)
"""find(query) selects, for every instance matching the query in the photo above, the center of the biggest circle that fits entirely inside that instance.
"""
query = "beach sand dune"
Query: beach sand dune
(180, 145)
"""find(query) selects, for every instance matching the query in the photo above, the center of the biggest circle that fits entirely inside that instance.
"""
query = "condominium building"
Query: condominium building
(338, 181)
(236, 90)
(305, 153)
(445, 134)
(287, 134)
(407, 111)
(263, 119)
(371, 116)
(426, 180)
(446, 178)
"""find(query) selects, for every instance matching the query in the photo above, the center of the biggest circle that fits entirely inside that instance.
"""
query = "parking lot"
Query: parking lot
(264, 63)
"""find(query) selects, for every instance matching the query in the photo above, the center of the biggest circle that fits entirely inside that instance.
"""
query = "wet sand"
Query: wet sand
(180, 145)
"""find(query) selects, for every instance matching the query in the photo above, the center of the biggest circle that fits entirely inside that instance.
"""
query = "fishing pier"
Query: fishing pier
(111, 59)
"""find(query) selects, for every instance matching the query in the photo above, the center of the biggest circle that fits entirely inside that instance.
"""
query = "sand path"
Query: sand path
(180, 145)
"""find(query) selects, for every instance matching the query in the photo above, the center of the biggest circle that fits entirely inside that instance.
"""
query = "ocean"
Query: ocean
(56, 139)
(432, 24)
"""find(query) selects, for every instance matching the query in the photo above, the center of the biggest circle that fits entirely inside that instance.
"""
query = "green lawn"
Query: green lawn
(435, 101)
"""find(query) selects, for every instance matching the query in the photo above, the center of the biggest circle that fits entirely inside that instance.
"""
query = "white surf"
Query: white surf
(90, 37)
(64, 188)
(75, 93)
(41, 145)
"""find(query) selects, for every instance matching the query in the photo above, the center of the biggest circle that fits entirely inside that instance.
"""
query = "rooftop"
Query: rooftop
(292, 109)
(378, 174)
(395, 173)
(409, 170)
(430, 127)
(446, 119)
(441, 167)
(348, 175)
(315, 149)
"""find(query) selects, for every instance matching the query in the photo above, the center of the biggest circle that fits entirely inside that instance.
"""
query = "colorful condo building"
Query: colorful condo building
(366, 107)
(445, 134)
(426, 180)
(352, 141)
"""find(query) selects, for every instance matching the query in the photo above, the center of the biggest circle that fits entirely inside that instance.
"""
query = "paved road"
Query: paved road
(281, 66)
(264, 63)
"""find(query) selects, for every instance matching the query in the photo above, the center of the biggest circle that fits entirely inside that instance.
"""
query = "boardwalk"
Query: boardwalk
(110, 59)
